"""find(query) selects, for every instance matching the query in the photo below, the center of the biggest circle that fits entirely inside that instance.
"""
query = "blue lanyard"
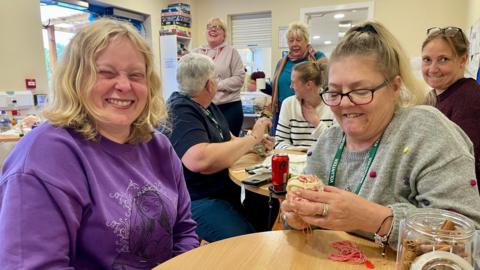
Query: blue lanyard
(338, 156)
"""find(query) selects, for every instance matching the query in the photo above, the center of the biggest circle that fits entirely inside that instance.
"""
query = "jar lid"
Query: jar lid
(440, 259)
(429, 221)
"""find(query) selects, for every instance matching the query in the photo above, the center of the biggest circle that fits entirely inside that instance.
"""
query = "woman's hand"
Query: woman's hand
(268, 142)
(337, 209)
(289, 216)
(261, 127)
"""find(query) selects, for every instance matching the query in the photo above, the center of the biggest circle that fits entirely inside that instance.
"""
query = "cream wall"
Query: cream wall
(21, 47)
(473, 11)
(407, 19)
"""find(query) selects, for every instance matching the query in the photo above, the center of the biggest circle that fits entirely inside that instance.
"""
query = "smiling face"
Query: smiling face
(215, 34)
(440, 66)
(119, 94)
(362, 124)
(297, 45)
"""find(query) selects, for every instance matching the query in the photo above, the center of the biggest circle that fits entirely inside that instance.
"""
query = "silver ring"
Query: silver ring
(325, 210)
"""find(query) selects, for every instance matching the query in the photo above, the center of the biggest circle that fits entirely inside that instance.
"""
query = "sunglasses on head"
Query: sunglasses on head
(450, 31)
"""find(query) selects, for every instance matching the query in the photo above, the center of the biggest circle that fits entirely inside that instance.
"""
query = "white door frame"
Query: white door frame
(304, 12)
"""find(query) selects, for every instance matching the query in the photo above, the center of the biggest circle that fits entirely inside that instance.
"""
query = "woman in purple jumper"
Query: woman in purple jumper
(444, 56)
(95, 187)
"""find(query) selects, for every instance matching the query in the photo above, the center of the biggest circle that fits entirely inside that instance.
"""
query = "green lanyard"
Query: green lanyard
(210, 117)
(213, 120)
(338, 155)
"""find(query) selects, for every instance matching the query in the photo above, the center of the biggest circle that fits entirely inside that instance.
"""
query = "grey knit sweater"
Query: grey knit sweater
(424, 160)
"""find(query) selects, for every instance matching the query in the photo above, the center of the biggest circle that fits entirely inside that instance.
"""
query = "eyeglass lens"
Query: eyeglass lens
(358, 97)
(213, 27)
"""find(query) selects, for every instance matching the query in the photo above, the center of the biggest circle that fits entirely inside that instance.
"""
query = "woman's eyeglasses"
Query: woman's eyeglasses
(357, 97)
(450, 31)
(214, 28)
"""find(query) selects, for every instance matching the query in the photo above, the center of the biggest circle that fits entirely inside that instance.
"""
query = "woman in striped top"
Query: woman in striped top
(304, 116)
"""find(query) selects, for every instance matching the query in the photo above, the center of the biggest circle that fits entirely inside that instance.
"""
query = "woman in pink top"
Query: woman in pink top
(230, 73)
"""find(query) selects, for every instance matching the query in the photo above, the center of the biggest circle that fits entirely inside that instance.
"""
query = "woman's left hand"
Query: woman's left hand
(336, 209)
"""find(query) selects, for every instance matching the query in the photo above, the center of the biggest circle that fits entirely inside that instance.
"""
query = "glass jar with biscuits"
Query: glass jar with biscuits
(435, 239)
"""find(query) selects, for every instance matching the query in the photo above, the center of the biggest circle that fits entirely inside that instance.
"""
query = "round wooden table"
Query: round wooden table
(278, 250)
(9, 138)
(237, 171)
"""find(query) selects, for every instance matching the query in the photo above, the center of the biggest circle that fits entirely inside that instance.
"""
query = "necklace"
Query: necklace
(336, 161)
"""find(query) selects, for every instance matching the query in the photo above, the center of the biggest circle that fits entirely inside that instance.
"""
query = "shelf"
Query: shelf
(173, 34)
(184, 38)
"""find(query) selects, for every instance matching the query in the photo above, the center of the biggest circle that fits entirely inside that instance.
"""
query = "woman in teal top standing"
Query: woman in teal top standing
(299, 51)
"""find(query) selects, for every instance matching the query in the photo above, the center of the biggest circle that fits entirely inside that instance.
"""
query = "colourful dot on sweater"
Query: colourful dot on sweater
(406, 149)
(373, 174)
(473, 182)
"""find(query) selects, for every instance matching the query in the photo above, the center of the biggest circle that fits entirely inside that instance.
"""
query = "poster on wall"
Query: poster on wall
(168, 64)
(474, 51)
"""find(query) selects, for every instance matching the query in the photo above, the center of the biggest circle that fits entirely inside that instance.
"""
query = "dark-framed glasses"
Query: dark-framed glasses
(450, 31)
(357, 96)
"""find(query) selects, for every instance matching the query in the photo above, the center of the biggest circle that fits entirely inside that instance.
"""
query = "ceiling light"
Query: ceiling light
(316, 37)
(339, 15)
(73, 4)
(341, 34)
(327, 42)
(345, 24)
(64, 25)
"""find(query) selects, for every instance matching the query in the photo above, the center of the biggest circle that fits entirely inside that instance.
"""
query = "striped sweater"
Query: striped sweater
(293, 130)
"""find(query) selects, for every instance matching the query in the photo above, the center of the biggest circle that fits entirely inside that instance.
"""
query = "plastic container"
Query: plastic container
(5, 124)
(435, 239)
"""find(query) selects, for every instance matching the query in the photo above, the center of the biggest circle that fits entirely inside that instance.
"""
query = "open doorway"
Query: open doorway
(328, 24)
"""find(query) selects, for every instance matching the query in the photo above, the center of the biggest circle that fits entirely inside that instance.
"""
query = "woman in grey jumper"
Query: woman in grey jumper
(387, 155)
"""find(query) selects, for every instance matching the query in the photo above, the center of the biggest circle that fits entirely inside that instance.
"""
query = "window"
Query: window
(61, 19)
(252, 37)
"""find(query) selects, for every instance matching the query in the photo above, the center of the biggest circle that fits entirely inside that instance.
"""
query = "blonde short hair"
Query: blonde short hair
(298, 29)
(220, 23)
(75, 76)
(372, 39)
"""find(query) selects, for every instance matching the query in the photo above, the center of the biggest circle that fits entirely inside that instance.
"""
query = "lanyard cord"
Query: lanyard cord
(213, 120)
(210, 117)
(338, 155)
